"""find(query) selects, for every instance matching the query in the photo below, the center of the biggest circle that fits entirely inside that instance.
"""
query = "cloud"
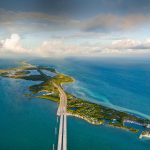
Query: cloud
(29, 22)
(128, 47)
(15, 21)
(111, 22)
(131, 44)
(78, 7)
(62, 48)
(12, 45)
(50, 48)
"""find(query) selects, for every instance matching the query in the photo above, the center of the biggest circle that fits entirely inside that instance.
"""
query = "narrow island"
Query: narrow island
(93, 113)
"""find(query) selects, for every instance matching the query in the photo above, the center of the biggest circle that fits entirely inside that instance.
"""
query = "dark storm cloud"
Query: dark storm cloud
(16, 21)
(78, 7)
(39, 21)
(84, 15)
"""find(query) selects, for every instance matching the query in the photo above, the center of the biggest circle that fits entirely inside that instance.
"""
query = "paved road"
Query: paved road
(62, 110)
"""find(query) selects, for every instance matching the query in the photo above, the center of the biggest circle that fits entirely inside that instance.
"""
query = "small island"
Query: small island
(144, 134)
(93, 113)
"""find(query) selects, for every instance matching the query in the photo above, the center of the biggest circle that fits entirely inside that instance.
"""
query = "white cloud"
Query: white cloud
(12, 45)
(60, 48)
(131, 44)
(125, 44)
(128, 47)
(64, 48)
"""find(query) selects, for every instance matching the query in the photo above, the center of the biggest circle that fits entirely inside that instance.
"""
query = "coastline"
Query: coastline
(101, 123)
(83, 118)
(144, 136)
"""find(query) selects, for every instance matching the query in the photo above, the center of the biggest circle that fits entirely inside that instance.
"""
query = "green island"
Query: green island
(93, 113)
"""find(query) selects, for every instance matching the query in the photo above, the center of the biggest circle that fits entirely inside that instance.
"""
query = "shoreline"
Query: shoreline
(83, 118)
(100, 123)
(145, 134)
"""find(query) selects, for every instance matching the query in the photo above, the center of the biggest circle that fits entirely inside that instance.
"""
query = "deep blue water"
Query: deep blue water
(29, 124)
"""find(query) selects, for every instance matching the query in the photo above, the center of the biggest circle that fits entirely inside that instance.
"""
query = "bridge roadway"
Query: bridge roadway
(62, 110)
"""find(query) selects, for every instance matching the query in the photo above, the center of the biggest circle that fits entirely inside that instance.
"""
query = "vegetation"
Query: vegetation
(146, 133)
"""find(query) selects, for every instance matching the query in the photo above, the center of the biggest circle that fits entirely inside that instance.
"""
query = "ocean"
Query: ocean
(29, 124)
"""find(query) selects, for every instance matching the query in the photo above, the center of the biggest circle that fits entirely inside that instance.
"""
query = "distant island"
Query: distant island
(93, 113)
(144, 134)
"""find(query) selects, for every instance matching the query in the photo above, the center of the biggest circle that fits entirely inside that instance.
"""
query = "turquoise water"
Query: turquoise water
(29, 124)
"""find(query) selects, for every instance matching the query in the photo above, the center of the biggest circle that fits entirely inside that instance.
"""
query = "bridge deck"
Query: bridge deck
(62, 137)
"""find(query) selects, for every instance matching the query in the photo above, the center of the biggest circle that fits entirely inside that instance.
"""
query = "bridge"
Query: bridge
(62, 112)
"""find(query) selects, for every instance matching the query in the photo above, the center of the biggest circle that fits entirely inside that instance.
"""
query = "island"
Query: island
(144, 134)
(93, 113)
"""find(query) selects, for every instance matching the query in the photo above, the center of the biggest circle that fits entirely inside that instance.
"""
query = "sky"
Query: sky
(80, 28)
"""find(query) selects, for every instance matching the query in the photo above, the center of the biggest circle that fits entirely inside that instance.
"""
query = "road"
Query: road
(62, 112)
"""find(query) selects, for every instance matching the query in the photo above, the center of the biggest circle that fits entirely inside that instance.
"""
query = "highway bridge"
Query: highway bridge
(62, 112)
